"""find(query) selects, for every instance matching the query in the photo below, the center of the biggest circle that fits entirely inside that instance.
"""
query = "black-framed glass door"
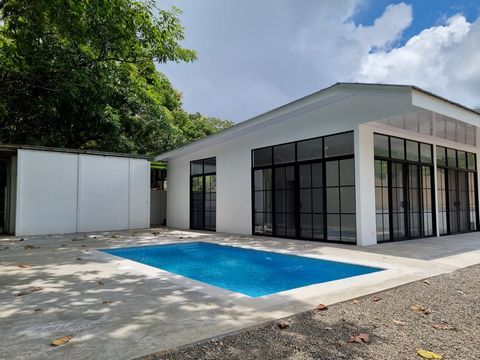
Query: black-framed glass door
(411, 199)
(203, 194)
(284, 201)
(305, 189)
(457, 191)
(403, 189)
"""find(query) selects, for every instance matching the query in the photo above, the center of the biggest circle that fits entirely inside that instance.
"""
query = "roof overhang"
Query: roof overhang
(410, 99)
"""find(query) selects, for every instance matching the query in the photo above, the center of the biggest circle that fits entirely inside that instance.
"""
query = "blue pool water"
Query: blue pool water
(250, 272)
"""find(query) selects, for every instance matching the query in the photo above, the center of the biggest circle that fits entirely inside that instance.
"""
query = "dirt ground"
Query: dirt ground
(445, 319)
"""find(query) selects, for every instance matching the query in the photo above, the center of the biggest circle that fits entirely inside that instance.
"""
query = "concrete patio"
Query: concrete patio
(118, 309)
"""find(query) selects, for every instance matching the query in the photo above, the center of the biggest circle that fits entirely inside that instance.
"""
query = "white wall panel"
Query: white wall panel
(46, 192)
(65, 193)
(139, 194)
(103, 193)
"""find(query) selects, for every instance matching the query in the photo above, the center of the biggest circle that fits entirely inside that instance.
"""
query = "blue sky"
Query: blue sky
(256, 55)
(426, 13)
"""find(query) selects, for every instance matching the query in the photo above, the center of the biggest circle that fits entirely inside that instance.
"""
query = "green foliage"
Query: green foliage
(81, 74)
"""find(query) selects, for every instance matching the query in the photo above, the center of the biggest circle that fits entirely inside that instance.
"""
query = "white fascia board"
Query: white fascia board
(443, 106)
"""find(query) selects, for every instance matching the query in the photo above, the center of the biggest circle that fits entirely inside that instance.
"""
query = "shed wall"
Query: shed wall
(66, 193)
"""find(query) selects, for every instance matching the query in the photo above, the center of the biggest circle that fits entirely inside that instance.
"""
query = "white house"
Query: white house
(353, 163)
(48, 191)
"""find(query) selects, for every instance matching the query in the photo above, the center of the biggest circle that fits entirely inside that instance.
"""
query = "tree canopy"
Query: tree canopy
(82, 74)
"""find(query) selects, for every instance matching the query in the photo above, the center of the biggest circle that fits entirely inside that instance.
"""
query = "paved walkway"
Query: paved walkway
(118, 309)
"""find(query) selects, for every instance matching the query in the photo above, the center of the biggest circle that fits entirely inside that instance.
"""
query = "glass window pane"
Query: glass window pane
(263, 179)
(284, 153)
(462, 159)
(196, 167)
(333, 227)
(337, 145)
(280, 178)
(471, 161)
(441, 156)
(305, 174)
(267, 224)
(331, 169)
(262, 156)
(259, 201)
(306, 226)
(381, 145)
(412, 150)
(347, 172)
(306, 201)
(349, 233)
(426, 153)
(347, 199)
(317, 227)
(317, 200)
(210, 165)
(310, 149)
(451, 158)
(333, 200)
(397, 148)
(317, 175)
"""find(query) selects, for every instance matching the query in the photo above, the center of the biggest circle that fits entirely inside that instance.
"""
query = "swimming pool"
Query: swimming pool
(251, 272)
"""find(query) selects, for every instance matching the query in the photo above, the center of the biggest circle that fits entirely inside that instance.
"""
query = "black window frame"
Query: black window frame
(297, 163)
(448, 167)
(389, 159)
(203, 174)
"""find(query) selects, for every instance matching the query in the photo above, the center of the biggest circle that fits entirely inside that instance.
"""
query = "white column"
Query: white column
(365, 186)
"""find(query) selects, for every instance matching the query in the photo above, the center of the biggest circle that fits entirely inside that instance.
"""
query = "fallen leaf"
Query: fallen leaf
(356, 302)
(360, 338)
(24, 266)
(398, 322)
(428, 354)
(107, 301)
(30, 247)
(421, 309)
(376, 298)
(62, 340)
(321, 307)
(443, 326)
(283, 325)
(29, 291)
(427, 282)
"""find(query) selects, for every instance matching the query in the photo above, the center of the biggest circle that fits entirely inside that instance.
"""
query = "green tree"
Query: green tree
(81, 74)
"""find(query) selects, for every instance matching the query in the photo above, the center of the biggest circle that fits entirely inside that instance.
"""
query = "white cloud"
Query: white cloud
(443, 59)
(256, 55)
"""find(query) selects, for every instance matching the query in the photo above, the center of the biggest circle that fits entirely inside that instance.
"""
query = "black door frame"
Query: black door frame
(405, 164)
(457, 171)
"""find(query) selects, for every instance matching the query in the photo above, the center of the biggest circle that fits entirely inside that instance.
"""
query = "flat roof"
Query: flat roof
(14, 147)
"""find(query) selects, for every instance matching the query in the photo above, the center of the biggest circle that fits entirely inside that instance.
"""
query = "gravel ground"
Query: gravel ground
(395, 330)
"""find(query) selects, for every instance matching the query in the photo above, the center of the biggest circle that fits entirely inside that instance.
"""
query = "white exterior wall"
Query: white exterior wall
(234, 206)
(46, 192)
(66, 193)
